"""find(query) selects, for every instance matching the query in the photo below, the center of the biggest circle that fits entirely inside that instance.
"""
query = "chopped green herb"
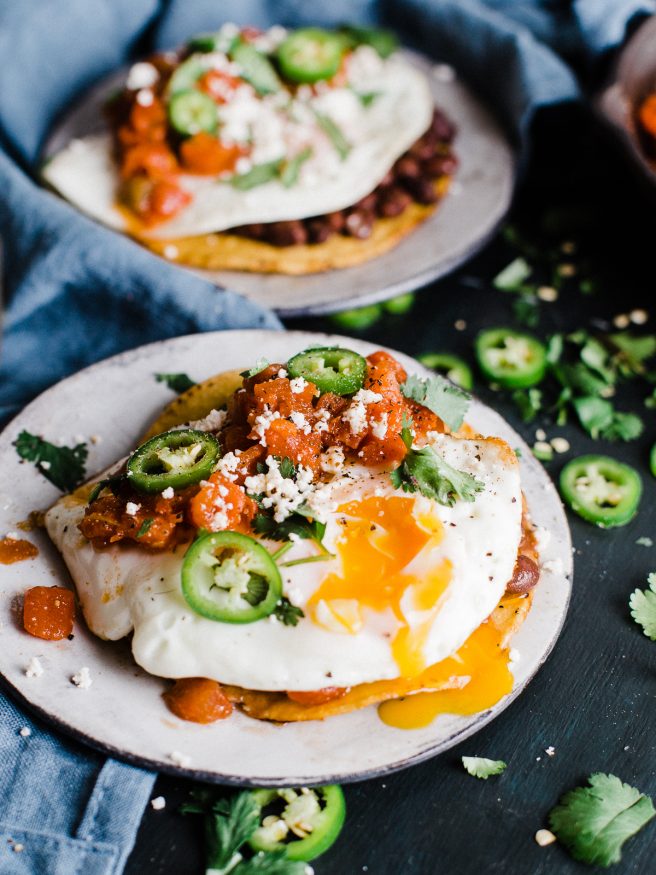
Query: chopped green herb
(643, 607)
(229, 825)
(633, 352)
(526, 309)
(600, 419)
(176, 382)
(334, 134)
(513, 276)
(288, 613)
(259, 174)
(593, 822)
(480, 767)
(64, 467)
(366, 98)
(291, 169)
(426, 472)
(449, 402)
(108, 483)
(529, 402)
(296, 524)
(145, 527)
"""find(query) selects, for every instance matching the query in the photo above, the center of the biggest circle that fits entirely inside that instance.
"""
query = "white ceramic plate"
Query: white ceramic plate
(479, 199)
(122, 712)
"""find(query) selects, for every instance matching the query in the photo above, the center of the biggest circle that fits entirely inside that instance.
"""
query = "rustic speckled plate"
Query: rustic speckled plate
(122, 713)
(479, 199)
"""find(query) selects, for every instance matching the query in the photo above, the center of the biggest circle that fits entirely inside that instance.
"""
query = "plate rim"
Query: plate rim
(476, 722)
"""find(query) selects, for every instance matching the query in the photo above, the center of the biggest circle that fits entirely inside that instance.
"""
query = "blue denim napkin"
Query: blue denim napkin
(76, 292)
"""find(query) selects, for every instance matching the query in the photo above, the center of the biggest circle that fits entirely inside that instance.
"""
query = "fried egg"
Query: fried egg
(409, 581)
(378, 133)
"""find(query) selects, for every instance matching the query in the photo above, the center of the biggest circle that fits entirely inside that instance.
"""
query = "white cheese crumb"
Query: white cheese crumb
(180, 759)
(18, 847)
(300, 421)
(214, 421)
(169, 492)
(297, 385)
(514, 655)
(540, 434)
(34, 668)
(12, 536)
(282, 494)
(282, 373)
(332, 460)
(45, 465)
(262, 423)
(550, 751)
(25, 732)
(170, 251)
(145, 97)
(379, 426)
(544, 837)
(82, 679)
(158, 803)
(227, 466)
(131, 508)
(355, 415)
(560, 444)
(141, 75)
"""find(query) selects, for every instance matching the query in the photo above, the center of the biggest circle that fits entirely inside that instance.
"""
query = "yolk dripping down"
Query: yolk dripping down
(380, 537)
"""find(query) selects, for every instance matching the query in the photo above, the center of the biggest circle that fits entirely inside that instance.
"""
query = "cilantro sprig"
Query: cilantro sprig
(480, 767)
(427, 472)
(446, 400)
(643, 607)
(593, 822)
(229, 824)
(64, 467)
(176, 382)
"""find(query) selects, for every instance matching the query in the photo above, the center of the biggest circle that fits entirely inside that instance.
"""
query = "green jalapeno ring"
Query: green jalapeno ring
(454, 368)
(601, 490)
(511, 359)
(186, 75)
(330, 368)
(191, 111)
(652, 460)
(230, 578)
(327, 822)
(310, 54)
(175, 458)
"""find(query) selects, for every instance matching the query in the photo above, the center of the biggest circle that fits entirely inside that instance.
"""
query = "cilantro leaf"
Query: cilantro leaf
(480, 767)
(291, 169)
(288, 613)
(259, 174)
(633, 351)
(526, 309)
(426, 472)
(600, 419)
(64, 467)
(230, 823)
(108, 483)
(593, 822)
(271, 863)
(513, 276)
(295, 524)
(643, 607)
(334, 134)
(287, 467)
(529, 402)
(595, 355)
(176, 382)
(366, 98)
(449, 402)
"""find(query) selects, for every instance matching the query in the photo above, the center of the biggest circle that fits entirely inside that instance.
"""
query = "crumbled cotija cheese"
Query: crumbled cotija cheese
(158, 803)
(282, 494)
(300, 421)
(34, 668)
(332, 460)
(355, 415)
(227, 466)
(82, 679)
(131, 508)
(214, 421)
(379, 426)
(169, 492)
(297, 385)
(262, 423)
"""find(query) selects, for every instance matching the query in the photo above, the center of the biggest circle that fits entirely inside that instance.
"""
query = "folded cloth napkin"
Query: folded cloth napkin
(77, 292)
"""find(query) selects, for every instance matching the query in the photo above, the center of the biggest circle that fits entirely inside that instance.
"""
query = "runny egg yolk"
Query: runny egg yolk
(380, 538)
(474, 678)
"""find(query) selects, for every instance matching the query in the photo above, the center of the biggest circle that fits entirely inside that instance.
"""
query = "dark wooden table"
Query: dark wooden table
(595, 699)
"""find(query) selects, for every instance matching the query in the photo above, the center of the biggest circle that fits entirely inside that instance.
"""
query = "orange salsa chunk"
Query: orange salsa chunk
(49, 612)
(198, 700)
(16, 550)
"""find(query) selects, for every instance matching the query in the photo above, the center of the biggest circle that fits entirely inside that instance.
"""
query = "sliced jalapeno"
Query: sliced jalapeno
(652, 460)
(230, 578)
(330, 368)
(303, 823)
(601, 490)
(453, 368)
(383, 41)
(186, 75)
(191, 112)
(176, 458)
(310, 54)
(358, 319)
(256, 68)
(510, 358)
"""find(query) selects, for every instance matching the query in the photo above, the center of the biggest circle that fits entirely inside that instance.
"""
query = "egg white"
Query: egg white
(85, 173)
(126, 588)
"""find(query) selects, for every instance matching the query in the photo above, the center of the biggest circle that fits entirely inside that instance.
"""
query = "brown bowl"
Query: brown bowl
(634, 79)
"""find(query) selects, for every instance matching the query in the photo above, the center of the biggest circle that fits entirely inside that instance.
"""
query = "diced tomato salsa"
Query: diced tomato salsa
(198, 700)
(270, 415)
